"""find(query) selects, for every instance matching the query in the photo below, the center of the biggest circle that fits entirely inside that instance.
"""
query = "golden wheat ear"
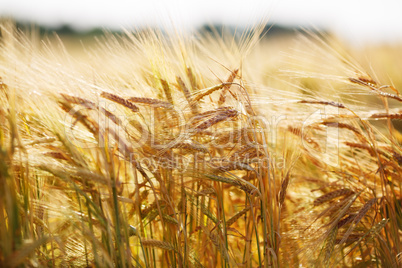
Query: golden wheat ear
(167, 90)
(91, 105)
(151, 102)
(157, 244)
(120, 100)
(219, 117)
(331, 195)
(229, 81)
(207, 91)
(187, 94)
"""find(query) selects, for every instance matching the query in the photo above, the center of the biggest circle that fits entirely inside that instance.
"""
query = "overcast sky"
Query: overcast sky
(355, 20)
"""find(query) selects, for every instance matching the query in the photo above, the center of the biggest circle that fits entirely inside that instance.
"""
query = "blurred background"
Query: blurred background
(356, 22)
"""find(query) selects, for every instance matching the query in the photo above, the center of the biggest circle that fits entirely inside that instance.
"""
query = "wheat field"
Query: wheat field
(177, 150)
